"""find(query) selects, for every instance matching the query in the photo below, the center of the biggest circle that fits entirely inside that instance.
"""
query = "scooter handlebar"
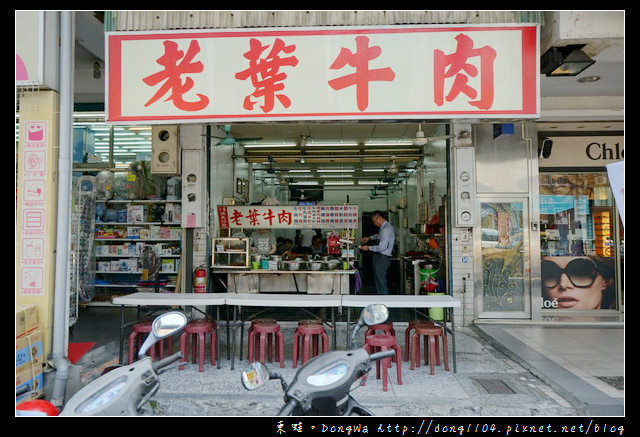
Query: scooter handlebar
(166, 361)
(288, 408)
(381, 355)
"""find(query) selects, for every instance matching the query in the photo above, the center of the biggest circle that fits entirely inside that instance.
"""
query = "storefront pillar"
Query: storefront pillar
(36, 195)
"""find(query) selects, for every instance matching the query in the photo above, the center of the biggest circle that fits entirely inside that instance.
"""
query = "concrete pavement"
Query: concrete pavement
(487, 383)
(502, 370)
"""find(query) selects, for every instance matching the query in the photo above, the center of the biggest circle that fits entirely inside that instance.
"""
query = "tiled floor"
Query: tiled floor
(586, 361)
(586, 352)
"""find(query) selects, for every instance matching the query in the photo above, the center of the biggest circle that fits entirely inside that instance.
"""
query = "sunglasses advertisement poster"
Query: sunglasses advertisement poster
(578, 283)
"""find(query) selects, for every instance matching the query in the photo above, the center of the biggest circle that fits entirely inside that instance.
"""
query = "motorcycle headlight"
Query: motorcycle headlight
(102, 397)
(328, 375)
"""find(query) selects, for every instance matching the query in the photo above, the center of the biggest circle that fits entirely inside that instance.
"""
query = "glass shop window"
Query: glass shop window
(99, 145)
(579, 245)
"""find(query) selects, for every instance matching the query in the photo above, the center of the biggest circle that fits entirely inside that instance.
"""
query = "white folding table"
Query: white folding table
(168, 299)
(407, 301)
(297, 300)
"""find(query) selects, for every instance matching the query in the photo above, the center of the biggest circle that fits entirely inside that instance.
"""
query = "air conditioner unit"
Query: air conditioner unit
(165, 150)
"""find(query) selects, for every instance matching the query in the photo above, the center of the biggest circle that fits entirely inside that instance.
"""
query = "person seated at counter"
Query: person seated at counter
(317, 245)
(284, 245)
(263, 242)
(289, 251)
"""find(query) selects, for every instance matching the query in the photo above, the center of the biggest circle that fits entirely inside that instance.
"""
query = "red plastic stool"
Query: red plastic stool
(305, 334)
(262, 331)
(431, 333)
(315, 338)
(138, 333)
(310, 322)
(407, 334)
(316, 322)
(383, 342)
(198, 329)
(386, 328)
(269, 337)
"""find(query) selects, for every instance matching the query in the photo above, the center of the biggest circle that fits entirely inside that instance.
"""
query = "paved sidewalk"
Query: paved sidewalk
(487, 383)
(502, 370)
(583, 363)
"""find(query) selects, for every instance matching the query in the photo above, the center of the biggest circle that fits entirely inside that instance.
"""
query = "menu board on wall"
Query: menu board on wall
(288, 216)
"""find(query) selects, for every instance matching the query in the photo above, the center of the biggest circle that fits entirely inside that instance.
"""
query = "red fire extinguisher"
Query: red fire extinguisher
(200, 280)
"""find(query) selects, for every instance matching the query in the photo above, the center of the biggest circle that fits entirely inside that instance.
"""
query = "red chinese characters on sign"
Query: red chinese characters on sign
(254, 217)
(223, 217)
(235, 218)
(268, 217)
(265, 73)
(284, 217)
(363, 75)
(288, 216)
(172, 75)
(324, 73)
(459, 67)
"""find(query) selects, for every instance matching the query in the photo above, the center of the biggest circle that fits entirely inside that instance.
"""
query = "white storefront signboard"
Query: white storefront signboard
(323, 73)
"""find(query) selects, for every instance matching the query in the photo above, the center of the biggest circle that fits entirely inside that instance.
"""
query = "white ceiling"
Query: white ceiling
(326, 132)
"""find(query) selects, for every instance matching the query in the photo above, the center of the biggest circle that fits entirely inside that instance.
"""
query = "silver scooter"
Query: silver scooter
(125, 390)
(322, 386)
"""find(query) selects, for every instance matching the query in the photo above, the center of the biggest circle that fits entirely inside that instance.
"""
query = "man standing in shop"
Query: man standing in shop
(381, 253)
(263, 242)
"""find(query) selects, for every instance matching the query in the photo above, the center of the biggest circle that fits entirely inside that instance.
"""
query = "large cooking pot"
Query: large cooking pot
(291, 265)
(315, 265)
(333, 264)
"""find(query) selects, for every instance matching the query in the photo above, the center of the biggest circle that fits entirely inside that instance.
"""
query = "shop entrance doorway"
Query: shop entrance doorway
(504, 267)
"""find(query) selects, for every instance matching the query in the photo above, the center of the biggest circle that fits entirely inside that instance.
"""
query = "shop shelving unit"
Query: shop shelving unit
(119, 244)
(230, 253)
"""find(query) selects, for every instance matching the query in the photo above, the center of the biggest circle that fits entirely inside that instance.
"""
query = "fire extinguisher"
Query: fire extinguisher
(200, 279)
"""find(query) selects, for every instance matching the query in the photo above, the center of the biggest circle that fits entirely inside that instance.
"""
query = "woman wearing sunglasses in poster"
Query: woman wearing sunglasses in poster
(577, 283)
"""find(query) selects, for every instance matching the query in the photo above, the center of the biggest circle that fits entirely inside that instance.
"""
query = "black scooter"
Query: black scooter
(323, 384)
(125, 390)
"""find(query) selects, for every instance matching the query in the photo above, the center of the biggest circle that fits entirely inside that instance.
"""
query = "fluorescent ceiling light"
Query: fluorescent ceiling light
(266, 146)
(329, 144)
(88, 114)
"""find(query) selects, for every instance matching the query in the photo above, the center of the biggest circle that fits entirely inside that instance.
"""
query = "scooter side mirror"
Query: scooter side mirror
(163, 326)
(168, 324)
(255, 375)
(374, 314)
(371, 315)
